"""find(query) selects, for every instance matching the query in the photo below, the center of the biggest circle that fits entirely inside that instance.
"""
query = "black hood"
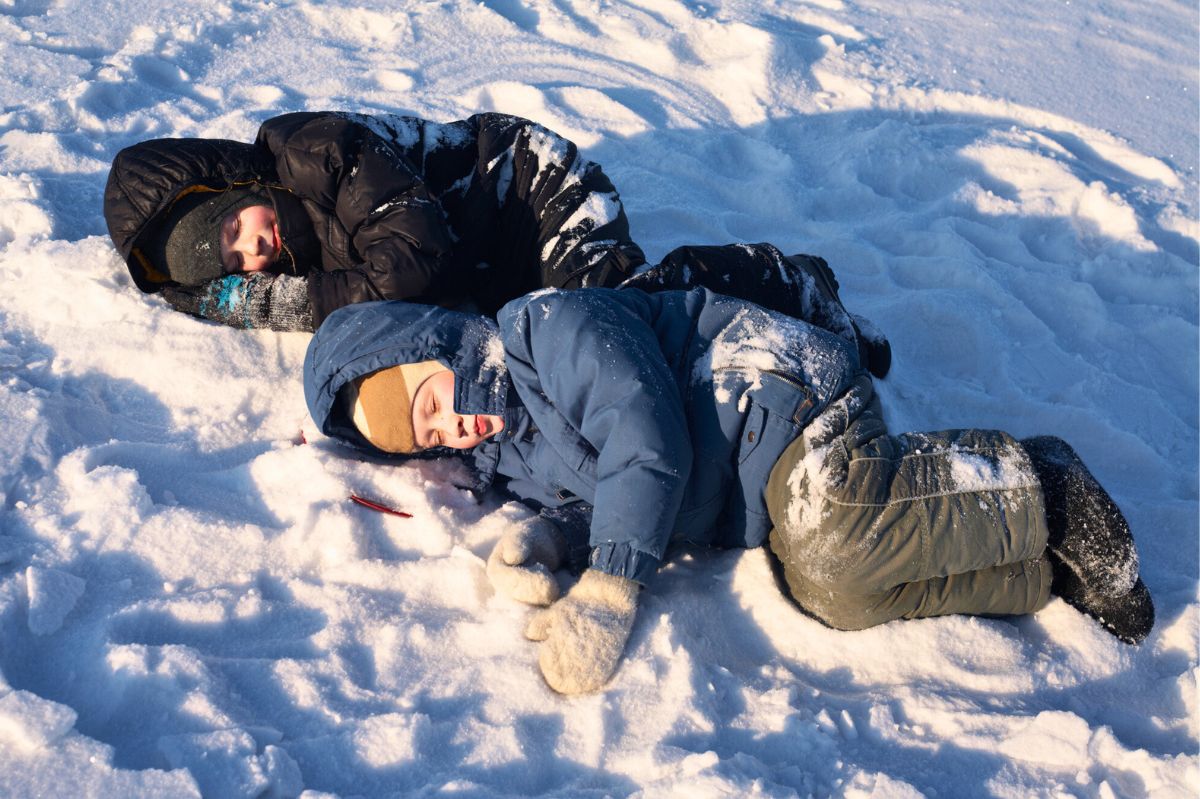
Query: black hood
(148, 177)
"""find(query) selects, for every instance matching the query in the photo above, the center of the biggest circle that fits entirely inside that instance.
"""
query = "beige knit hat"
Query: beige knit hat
(381, 404)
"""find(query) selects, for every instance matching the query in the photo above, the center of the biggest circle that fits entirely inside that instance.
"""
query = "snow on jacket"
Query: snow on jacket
(664, 411)
(482, 209)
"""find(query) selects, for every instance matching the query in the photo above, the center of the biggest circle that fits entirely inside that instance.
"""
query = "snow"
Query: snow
(189, 605)
(995, 471)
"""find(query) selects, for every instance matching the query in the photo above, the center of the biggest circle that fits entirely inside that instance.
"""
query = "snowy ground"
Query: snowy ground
(189, 605)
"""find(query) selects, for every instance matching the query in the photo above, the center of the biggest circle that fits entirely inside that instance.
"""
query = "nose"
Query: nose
(453, 425)
(255, 252)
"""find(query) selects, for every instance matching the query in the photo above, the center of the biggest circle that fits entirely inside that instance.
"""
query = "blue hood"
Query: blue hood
(362, 338)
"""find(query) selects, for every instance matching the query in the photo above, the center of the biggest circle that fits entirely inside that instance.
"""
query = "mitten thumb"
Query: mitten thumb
(539, 626)
(515, 549)
(532, 584)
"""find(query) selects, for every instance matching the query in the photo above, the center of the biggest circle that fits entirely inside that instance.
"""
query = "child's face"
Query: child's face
(250, 239)
(435, 424)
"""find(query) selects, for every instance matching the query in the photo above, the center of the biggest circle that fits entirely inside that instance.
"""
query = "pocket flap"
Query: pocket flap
(784, 396)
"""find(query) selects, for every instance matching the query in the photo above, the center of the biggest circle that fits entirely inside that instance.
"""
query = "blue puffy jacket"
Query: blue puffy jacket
(664, 411)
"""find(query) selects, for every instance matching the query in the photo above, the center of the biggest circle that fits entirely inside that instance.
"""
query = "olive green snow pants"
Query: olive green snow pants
(871, 527)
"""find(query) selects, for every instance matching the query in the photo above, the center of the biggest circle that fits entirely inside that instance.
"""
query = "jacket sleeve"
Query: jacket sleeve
(588, 366)
(574, 521)
(364, 180)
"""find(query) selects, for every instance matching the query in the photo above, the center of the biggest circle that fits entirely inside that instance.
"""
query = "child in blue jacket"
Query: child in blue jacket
(636, 421)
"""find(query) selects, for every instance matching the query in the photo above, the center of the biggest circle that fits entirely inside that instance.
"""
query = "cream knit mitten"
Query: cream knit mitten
(584, 633)
(521, 565)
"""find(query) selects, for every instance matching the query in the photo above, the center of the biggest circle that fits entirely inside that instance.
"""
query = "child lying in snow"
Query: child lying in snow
(694, 417)
(328, 209)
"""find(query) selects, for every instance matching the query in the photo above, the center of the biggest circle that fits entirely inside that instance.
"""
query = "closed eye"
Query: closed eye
(435, 438)
(233, 261)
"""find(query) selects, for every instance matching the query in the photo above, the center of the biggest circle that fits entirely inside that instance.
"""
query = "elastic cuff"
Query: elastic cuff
(623, 560)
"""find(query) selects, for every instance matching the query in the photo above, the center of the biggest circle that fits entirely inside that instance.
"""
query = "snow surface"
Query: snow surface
(190, 605)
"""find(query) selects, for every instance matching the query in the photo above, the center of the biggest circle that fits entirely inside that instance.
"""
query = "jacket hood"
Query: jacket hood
(362, 338)
(148, 177)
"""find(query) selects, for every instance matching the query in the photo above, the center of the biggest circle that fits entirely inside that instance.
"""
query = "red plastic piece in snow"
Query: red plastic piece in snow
(375, 506)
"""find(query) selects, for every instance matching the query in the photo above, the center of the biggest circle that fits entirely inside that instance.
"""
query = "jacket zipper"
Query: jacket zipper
(790, 380)
(805, 390)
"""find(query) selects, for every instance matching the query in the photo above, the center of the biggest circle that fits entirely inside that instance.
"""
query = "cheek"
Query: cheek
(258, 220)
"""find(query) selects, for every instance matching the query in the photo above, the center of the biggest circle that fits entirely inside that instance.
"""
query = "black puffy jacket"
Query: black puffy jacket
(483, 209)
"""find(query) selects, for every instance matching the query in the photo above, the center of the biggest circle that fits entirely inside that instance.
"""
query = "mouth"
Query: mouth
(480, 426)
(276, 242)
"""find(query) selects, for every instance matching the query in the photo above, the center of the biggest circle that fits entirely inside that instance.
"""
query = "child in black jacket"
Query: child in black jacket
(352, 208)
(329, 209)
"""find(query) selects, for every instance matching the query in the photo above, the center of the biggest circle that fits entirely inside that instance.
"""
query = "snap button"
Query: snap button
(750, 436)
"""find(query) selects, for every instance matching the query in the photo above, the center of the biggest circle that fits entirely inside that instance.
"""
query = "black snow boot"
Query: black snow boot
(876, 346)
(874, 350)
(1090, 547)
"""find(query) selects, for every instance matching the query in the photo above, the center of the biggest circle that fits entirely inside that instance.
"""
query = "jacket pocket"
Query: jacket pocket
(771, 434)
(752, 432)
(778, 410)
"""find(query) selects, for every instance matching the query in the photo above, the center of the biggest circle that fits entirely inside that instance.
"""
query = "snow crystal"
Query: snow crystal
(504, 163)
(405, 132)
(390, 738)
(808, 504)
(747, 350)
(1053, 737)
(551, 152)
(493, 359)
(52, 595)
(755, 342)
(597, 210)
(972, 470)
(439, 137)
(227, 763)
(28, 721)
